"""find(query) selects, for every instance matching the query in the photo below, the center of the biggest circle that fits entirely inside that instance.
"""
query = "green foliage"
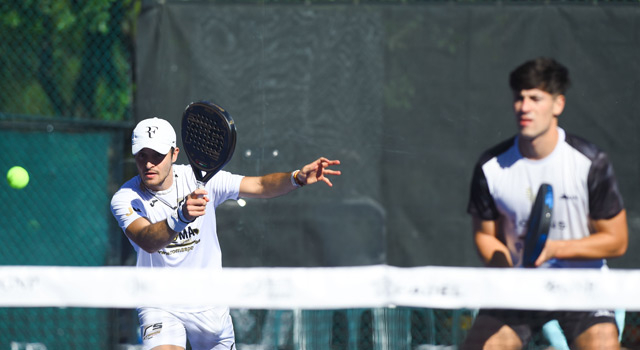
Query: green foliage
(66, 58)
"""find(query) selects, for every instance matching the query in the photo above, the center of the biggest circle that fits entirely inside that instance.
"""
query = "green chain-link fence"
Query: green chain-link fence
(67, 58)
(66, 79)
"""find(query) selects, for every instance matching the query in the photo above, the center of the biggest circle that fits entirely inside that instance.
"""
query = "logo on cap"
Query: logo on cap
(152, 131)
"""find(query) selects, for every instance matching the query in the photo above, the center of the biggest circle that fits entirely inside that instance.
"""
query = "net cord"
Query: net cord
(320, 288)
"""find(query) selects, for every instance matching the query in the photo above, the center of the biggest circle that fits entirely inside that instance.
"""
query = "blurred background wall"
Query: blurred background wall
(406, 96)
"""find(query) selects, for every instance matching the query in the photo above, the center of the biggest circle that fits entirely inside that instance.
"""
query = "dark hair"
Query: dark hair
(541, 73)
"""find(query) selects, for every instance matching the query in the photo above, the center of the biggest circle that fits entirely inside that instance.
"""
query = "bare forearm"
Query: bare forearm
(151, 237)
(492, 251)
(596, 246)
(267, 186)
(278, 184)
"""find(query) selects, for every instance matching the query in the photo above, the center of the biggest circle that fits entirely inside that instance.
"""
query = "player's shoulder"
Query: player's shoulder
(131, 188)
(582, 145)
(496, 150)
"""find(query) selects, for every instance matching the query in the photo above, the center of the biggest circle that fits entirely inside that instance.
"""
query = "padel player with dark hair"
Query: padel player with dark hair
(172, 224)
(589, 221)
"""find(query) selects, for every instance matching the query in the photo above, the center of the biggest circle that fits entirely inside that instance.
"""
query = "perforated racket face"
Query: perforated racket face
(208, 137)
(538, 226)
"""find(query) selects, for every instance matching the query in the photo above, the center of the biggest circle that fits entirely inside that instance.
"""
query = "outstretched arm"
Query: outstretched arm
(278, 184)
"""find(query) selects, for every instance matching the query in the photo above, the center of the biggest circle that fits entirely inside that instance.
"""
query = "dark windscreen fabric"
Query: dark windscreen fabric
(407, 97)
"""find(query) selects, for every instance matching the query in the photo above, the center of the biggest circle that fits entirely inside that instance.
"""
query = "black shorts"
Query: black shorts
(525, 322)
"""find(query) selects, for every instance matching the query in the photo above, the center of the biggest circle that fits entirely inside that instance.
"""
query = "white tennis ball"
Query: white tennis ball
(17, 177)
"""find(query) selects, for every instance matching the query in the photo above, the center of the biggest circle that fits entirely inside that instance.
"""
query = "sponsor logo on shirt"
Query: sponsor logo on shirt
(184, 242)
(568, 197)
(150, 330)
(131, 210)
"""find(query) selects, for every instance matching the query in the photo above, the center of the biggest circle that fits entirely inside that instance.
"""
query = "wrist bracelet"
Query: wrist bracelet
(294, 179)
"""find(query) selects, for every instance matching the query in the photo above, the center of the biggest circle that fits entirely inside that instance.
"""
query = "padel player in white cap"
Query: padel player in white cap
(172, 224)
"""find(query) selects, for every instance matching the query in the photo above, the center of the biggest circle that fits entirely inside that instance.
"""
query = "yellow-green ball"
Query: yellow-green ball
(17, 177)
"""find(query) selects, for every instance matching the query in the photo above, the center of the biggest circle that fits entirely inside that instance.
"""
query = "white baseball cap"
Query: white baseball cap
(154, 133)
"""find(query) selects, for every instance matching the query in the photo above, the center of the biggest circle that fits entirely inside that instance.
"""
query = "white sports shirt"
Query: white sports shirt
(504, 186)
(197, 245)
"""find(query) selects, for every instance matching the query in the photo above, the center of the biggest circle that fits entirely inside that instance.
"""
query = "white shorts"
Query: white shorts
(206, 330)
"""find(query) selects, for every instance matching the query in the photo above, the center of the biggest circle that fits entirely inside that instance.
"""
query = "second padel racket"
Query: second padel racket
(538, 225)
(208, 138)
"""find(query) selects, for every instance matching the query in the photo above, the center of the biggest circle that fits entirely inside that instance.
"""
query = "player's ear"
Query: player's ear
(558, 104)
(174, 156)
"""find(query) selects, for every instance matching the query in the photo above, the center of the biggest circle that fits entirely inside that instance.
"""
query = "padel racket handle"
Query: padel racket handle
(200, 186)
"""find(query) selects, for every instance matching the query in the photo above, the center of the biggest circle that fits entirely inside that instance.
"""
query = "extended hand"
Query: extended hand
(317, 171)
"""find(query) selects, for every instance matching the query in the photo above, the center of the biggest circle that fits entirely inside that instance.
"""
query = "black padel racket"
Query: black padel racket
(208, 138)
(538, 225)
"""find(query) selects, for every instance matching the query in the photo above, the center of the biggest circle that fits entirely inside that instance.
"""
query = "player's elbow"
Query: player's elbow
(152, 246)
(621, 245)
(151, 250)
(145, 243)
(617, 230)
(621, 249)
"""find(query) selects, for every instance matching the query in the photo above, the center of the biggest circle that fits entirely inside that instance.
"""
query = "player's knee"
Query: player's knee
(489, 338)
(602, 336)
(505, 339)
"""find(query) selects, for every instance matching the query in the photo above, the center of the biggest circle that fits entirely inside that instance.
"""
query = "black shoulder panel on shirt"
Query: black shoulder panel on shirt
(605, 200)
(495, 151)
(583, 146)
(481, 202)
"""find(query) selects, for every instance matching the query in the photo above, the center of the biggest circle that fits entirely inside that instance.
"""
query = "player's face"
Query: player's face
(155, 168)
(536, 111)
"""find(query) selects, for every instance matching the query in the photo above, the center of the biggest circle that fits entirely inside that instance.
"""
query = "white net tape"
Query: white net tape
(320, 288)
